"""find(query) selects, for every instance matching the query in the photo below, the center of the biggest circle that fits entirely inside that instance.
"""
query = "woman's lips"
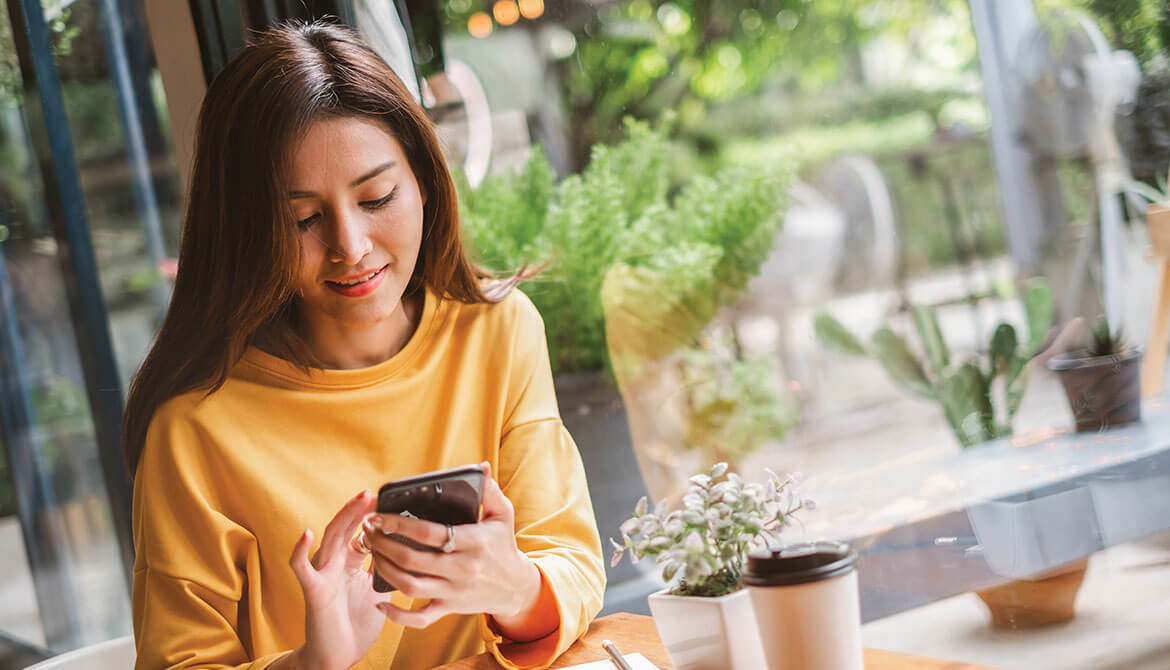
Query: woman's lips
(360, 289)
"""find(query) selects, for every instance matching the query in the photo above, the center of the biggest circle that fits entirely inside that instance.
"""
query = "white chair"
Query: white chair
(116, 654)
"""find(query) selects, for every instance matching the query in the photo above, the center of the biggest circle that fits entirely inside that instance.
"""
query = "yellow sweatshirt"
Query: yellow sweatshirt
(227, 483)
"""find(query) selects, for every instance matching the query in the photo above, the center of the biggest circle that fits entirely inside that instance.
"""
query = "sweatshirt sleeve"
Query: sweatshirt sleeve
(191, 561)
(540, 471)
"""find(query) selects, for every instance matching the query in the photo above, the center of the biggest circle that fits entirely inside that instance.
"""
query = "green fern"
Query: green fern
(673, 262)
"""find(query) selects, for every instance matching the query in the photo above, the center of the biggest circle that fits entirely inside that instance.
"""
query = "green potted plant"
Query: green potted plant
(977, 408)
(1102, 380)
(704, 615)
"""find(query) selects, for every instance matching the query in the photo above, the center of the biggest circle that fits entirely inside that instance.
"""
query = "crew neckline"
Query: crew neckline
(352, 377)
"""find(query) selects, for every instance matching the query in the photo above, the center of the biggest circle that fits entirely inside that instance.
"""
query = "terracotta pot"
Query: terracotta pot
(709, 633)
(1102, 391)
(1027, 603)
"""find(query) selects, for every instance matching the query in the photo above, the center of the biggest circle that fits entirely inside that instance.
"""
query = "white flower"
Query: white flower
(718, 470)
(694, 543)
(628, 526)
(660, 543)
(702, 481)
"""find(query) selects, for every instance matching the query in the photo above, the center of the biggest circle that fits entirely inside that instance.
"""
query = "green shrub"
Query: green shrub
(672, 260)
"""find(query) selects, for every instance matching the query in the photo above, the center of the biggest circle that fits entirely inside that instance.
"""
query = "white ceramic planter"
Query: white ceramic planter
(708, 633)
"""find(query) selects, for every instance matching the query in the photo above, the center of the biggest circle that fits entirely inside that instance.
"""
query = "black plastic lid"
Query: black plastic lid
(799, 564)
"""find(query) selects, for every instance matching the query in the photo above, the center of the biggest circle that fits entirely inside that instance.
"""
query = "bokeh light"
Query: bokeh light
(506, 12)
(479, 25)
(531, 9)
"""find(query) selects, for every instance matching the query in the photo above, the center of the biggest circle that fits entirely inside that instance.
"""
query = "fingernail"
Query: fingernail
(375, 521)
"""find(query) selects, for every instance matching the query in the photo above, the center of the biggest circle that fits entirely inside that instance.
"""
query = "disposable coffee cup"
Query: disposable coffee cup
(806, 605)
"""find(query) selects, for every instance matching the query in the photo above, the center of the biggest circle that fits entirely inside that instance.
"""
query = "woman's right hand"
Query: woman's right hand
(342, 620)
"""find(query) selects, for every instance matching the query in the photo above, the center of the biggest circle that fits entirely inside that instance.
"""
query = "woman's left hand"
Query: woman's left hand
(486, 572)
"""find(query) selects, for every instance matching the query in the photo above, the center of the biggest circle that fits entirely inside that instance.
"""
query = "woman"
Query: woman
(328, 334)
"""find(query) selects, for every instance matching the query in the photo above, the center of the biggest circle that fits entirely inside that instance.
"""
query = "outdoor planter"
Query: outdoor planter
(1102, 391)
(1024, 540)
(708, 633)
(1027, 603)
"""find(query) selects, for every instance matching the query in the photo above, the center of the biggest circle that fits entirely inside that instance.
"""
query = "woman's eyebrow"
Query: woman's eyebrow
(293, 195)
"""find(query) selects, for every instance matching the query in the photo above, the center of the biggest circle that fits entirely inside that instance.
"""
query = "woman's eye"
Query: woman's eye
(381, 202)
(305, 223)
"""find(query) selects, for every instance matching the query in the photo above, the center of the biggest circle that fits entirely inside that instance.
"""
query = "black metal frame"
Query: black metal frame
(51, 138)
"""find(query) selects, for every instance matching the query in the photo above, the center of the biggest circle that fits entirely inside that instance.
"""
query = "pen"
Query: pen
(615, 655)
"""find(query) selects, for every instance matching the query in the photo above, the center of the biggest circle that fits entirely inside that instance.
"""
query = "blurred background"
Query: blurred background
(846, 238)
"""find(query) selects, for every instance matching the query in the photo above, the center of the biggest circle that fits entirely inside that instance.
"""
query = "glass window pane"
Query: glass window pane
(130, 197)
(944, 156)
(117, 120)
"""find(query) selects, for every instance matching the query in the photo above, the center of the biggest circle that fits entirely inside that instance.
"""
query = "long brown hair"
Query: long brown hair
(240, 250)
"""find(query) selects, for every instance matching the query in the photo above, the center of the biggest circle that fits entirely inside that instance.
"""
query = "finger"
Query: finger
(299, 560)
(412, 585)
(342, 527)
(418, 561)
(420, 618)
(495, 504)
(424, 532)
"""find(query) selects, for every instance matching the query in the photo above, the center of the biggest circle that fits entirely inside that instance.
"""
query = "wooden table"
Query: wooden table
(636, 633)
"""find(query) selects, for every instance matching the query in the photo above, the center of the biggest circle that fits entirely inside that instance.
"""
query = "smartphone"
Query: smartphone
(450, 497)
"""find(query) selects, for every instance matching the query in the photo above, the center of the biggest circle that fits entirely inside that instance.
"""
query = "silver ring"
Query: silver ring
(449, 545)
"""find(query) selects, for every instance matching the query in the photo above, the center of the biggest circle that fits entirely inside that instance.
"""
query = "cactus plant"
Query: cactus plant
(977, 408)
(1104, 341)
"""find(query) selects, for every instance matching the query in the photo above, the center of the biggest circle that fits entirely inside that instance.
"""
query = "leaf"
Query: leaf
(836, 336)
(617, 558)
(891, 351)
(1016, 382)
(1003, 347)
(967, 403)
(926, 322)
(670, 570)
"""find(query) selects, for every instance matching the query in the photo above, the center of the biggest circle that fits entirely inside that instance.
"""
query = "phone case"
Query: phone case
(450, 497)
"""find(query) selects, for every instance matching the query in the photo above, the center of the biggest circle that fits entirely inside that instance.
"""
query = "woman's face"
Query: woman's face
(360, 216)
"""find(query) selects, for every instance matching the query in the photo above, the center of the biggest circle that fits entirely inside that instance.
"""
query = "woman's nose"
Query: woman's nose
(350, 239)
